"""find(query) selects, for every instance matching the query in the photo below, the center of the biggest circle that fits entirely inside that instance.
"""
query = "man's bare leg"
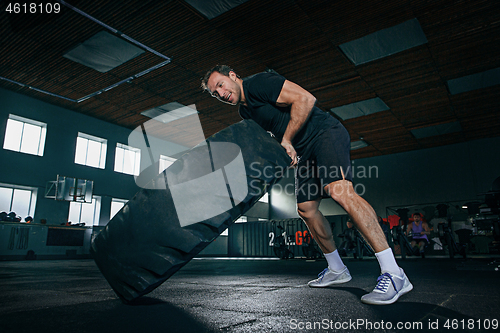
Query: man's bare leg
(393, 282)
(320, 229)
(361, 212)
(317, 224)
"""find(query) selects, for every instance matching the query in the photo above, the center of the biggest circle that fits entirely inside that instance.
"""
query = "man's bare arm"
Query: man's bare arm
(301, 102)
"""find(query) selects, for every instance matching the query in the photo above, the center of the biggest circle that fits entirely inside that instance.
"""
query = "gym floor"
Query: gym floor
(250, 295)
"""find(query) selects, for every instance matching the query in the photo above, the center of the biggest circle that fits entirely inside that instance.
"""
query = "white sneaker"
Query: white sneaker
(328, 277)
(388, 289)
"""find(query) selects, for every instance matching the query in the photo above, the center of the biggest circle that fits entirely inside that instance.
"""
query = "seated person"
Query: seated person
(419, 230)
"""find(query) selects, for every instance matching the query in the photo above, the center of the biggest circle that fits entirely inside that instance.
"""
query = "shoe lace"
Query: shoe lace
(383, 282)
(322, 274)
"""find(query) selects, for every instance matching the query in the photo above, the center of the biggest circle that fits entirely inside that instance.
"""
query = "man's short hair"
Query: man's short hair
(223, 69)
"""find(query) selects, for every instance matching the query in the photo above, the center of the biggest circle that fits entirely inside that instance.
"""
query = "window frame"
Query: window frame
(162, 160)
(116, 200)
(96, 203)
(137, 159)
(22, 138)
(32, 201)
(102, 151)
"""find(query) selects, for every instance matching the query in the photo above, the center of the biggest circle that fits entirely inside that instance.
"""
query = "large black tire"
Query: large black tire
(148, 240)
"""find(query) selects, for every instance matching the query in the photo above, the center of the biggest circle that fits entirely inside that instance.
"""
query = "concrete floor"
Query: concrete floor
(210, 295)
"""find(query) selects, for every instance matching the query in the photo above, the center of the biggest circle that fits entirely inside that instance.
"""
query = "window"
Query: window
(265, 198)
(87, 213)
(25, 135)
(90, 151)
(165, 162)
(127, 159)
(18, 199)
(241, 219)
(116, 205)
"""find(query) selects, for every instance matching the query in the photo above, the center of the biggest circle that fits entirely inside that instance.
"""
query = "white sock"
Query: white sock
(387, 262)
(334, 261)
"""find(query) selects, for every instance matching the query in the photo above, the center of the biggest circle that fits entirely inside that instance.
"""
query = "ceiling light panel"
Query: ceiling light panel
(360, 109)
(358, 144)
(103, 52)
(435, 130)
(385, 42)
(474, 81)
(214, 8)
(169, 112)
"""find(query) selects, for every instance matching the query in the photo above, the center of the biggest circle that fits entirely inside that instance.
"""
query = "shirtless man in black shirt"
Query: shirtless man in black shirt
(319, 147)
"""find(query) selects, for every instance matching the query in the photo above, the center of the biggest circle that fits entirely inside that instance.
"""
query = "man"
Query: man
(319, 147)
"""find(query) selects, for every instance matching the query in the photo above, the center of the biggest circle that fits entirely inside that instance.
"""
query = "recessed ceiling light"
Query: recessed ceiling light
(360, 109)
(384, 42)
(474, 81)
(170, 112)
(214, 8)
(435, 130)
(358, 144)
(103, 52)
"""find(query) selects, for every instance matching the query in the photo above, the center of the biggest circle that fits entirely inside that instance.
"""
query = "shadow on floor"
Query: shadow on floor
(143, 315)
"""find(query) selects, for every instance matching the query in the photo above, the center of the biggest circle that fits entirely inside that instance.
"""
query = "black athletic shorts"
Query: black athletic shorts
(329, 158)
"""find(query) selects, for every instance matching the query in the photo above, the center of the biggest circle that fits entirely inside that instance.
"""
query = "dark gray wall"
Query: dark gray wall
(62, 130)
(442, 174)
(456, 172)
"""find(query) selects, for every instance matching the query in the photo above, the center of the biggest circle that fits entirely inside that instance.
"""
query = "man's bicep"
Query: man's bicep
(293, 93)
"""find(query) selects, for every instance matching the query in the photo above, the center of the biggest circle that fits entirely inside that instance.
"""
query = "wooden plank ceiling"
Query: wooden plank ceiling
(299, 39)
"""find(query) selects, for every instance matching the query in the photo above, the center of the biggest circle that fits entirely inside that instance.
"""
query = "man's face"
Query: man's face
(416, 218)
(224, 88)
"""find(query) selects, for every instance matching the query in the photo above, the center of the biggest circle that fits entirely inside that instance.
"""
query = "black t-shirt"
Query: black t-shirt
(261, 92)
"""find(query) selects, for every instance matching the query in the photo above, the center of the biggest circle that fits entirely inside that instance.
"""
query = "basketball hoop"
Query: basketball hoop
(77, 193)
(70, 189)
